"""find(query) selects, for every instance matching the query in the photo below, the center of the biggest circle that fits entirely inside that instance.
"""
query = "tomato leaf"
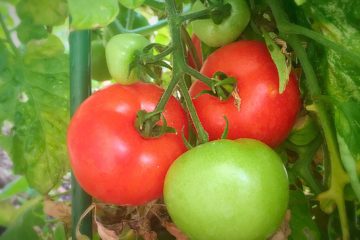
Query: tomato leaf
(338, 21)
(280, 61)
(131, 3)
(28, 216)
(34, 117)
(17, 186)
(96, 14)
(43, 12)
(27, 31)
(301, 222)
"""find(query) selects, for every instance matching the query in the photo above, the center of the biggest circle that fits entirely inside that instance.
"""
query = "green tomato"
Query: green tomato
(217, 35)
(99, 69)
(227, 189)
(121, 51)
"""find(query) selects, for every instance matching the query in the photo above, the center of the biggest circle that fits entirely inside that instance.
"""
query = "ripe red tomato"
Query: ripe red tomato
(109, 158)
(264, 114)
(197, 44)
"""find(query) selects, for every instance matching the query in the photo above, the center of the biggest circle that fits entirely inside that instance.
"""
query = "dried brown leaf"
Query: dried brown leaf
(284, 230)
(173, 230)
(58, 210)
(105, 233)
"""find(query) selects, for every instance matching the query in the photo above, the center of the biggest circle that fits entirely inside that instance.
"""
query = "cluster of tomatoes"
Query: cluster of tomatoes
(234, 188)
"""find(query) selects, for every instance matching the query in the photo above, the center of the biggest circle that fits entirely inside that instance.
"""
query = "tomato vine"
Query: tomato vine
(303, 40)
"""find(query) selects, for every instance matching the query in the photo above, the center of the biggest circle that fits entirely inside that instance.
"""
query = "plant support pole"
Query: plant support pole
(80, 89)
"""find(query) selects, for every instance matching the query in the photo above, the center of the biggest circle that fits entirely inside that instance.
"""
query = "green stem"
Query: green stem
(8, 36)
(168, 92)
(159, 56)
(130, 19)
(191, 48)
(180, 66)
(141, 30)
(195, 15)
(198, 75)
(338, 175)
(202, 134)
(290, 28)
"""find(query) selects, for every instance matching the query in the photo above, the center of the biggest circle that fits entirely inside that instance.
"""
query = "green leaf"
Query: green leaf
(280, 61)
(131, 3)
(301, 223)
(43, 12)
(34, 113)
(19, 185)
(43, 48)
(340, 77)
(7, 212)
(59, 232)
(27, 31)
(88, 14)
(22, 227)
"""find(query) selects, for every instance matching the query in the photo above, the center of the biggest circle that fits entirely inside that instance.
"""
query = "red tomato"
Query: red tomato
(197, 44)
(109, 158)
(264, 114)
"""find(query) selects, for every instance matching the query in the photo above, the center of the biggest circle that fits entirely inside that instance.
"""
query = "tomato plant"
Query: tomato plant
(320, 154)
(229, 190)
(220, 34)
(262, 112)
(121, 51)
(106, 149)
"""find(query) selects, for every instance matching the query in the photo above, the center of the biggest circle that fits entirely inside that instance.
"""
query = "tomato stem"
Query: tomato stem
(8, 36)
(202, 134)
(338, 175)
(141, 30)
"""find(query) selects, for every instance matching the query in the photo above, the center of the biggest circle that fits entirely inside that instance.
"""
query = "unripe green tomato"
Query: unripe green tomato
(121, 51)
(217, 35)
(227, 190)
(99, 69)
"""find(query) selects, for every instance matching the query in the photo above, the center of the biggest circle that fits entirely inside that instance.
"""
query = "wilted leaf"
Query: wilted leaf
(280, 61)
(173, 230)
(34, 101)
(105, 233)
(88, 14)
(338, 21)
(58, 210)
(43, 12)
(284, 230)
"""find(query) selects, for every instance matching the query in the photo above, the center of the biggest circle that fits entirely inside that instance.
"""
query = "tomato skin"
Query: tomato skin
(120, 52)
(225, 189)
(109, 158)
(264, 114)
(217, 35)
